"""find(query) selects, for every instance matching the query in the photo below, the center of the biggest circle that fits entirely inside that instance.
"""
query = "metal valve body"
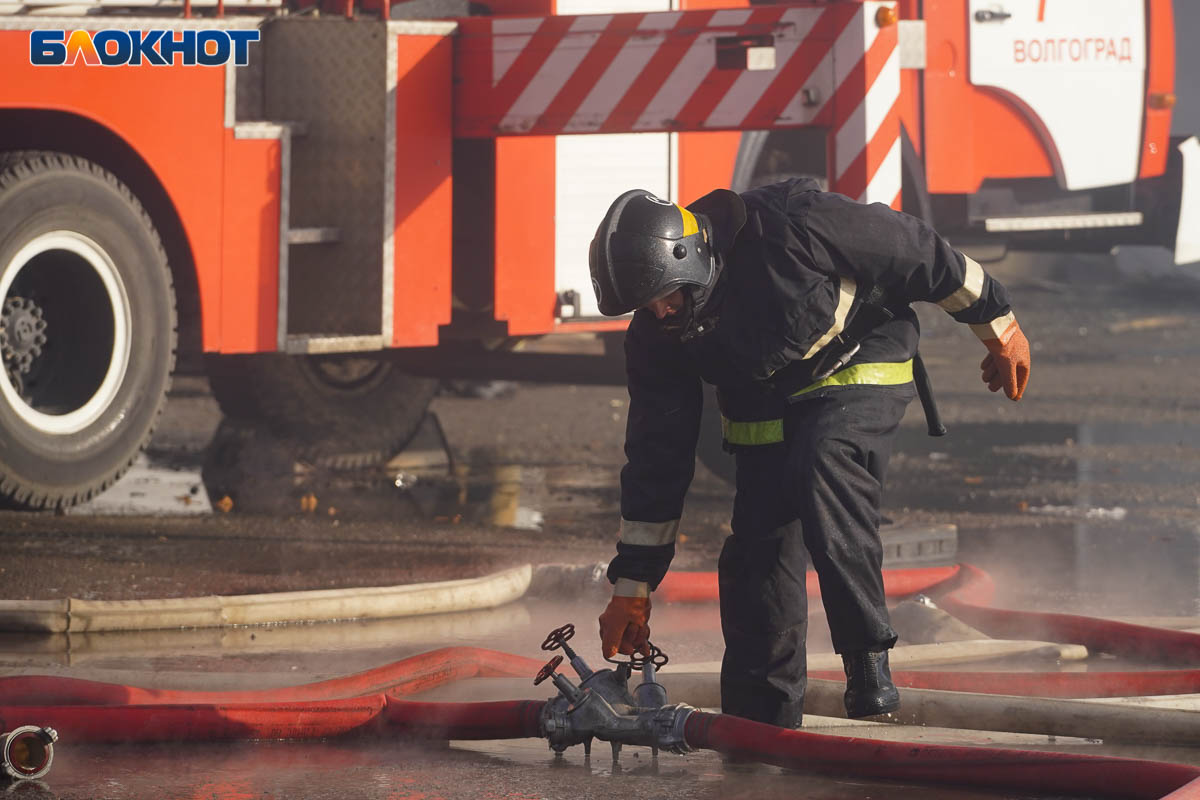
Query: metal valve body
(602, 707)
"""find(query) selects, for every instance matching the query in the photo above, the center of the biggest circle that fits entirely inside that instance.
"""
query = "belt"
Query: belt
(770, 431)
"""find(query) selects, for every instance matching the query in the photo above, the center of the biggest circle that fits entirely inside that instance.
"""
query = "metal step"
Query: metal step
(334, 77)
(313, 235)
(318, 344)
(918, 545)
(1063, 222)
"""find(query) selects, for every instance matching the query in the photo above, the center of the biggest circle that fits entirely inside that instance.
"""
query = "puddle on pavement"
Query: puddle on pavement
(1104, 514)
(247, 471)
(252, 474)
(1089, 470)
(386, 770)
(203, 648)
(152, 486)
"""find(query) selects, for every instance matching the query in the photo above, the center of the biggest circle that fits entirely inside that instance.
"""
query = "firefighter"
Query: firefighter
(795, 303)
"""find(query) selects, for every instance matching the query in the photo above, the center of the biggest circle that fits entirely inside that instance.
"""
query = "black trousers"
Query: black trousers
(815, 495)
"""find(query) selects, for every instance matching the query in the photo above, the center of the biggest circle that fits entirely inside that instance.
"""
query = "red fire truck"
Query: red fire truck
(337, 204)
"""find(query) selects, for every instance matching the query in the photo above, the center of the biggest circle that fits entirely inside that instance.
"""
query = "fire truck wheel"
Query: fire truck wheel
(87, 329)
(344, 411)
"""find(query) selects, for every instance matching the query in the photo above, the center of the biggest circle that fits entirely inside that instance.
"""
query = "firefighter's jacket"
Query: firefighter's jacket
(809, 275)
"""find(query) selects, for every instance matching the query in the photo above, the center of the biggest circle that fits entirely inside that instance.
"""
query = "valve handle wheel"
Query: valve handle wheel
(657, 657)
(558, 637)
(637, 661)
(547, 670)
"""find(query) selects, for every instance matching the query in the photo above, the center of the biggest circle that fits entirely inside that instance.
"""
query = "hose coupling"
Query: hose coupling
(566, 721)
(28, 751)
(669, 723)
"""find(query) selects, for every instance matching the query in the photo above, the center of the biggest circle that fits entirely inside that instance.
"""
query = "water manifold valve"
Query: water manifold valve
(602, 707)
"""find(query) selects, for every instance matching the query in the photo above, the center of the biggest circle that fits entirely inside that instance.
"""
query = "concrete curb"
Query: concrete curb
(923, 655)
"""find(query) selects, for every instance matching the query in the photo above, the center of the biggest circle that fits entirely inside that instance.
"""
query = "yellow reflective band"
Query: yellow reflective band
(690, 226)
(767, 431)
(880, 373)
(770, 431)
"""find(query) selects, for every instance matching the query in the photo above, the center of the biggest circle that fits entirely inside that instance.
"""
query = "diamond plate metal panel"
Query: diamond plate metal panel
(331, 75)
(249, 88)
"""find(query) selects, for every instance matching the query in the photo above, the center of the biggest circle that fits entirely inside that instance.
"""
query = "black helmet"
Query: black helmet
(646, 248)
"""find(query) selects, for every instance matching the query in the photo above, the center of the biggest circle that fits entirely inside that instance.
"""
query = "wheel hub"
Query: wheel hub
(347, 374)
(22, 336)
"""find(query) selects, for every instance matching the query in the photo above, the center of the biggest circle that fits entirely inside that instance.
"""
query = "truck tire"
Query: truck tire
(87, 329)
(343, 411)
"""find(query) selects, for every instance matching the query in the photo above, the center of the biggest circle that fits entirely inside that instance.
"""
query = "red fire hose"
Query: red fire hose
(516, 719)
(90, 711)
(308, 719)
(411, 675)
(312, 719)
(296, 713)
(992, 768)
(701, 587)
(970, 599)
(966, 591)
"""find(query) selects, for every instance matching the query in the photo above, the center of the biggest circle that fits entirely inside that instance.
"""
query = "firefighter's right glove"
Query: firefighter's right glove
(625, 624)
(1007, 363)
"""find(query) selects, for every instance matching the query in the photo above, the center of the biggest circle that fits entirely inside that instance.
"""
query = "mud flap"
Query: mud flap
(1187, 239)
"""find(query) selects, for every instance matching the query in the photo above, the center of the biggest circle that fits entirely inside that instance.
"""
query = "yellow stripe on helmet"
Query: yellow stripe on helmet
(690, 226)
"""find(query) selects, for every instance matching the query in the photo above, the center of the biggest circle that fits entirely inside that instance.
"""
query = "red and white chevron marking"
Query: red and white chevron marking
(610, 73)
(865, 151)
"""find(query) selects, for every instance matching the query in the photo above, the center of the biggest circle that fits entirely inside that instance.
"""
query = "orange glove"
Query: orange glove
(1007, 362)
(625, 626)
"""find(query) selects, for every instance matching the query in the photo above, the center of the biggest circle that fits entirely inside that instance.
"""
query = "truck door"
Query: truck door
(592, 169)
(1076, 70)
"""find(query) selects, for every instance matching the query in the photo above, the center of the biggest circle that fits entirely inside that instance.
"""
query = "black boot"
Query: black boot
(869, 687)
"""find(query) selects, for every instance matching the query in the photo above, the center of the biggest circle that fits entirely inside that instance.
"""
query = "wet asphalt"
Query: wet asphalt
(1082, 497)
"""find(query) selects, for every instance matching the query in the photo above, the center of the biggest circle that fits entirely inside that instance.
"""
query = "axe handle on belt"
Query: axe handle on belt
(925, 391)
